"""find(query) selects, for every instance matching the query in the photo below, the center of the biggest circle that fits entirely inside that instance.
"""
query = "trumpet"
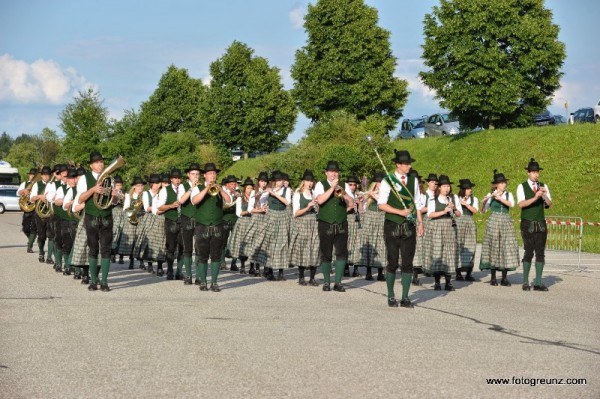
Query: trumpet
(104, 201)
(213, 189)
(339, 192)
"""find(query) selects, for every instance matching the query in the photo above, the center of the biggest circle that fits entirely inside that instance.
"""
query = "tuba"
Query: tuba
(44, 209)
(24, 203)
(104, 200)
(131, 213)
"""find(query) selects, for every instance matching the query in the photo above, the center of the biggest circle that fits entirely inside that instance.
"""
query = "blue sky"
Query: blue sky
(49, 50)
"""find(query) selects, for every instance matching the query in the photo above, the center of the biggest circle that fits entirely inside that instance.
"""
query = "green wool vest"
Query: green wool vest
(210, 210)
(498, 207)
(395, 202)
(534, 211)
(171, 214)
(187, 208)
(229, 213)
(72, 218)
(90, 207)
(41, 186)
(466, 210)
(334, 209)
(275, 204)
(438, 208)
(58, 210)
(304, 203)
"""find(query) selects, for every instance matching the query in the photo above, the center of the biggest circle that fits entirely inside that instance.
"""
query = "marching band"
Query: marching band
(389, 223)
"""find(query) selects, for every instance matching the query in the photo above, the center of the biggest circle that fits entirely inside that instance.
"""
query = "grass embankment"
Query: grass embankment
(569, 156)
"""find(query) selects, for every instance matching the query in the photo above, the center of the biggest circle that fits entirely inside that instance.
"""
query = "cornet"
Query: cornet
(213, 189)
(339, 192)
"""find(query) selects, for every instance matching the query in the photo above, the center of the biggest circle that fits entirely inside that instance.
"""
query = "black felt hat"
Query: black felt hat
(352, 179)
(332, 166)
(533, 166)
(118, 179)
(193, 166)
(466, 183)
(72, 173)
(377, 177)
(444, 180)
(499, 177)
(210, 167)
(166, 177)
(154, 178)
(80, 171)
(45, 170)
(33, 171)
(402, 156)
(248, 182)
(137, 180)
(95, 156)
(308, 175)
(431, 177)
(175, 173)
(230, 179)
(263, 176)
(276, 175)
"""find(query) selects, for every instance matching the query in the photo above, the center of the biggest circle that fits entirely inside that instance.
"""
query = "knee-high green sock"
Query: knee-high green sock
(526, 269)
(179, 264)
(406, 279)
(539, 268)
(202, 271)
(68, 262)
(50, 249)
(105, 266)
(326, 269)
(339, 270)
(30, 241)
(214, 271)
(94, 270)
(169, 265)
(187, 261)
(58, 258)
(390, 279)
(41, 248)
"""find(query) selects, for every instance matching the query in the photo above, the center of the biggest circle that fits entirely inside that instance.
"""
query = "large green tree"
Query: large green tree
(246, 104)
(347, 64)
(41, 149)
(492, 62)
(5, 143)
(85, 124)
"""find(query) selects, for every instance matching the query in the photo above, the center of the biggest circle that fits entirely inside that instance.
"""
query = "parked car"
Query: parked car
(584, 115)
(9, 200)
(442, 125)
(597, 112)
(413, 128)
(544, 119)
(560, 120)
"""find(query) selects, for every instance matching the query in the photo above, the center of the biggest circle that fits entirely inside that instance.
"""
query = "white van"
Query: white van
(9, 176)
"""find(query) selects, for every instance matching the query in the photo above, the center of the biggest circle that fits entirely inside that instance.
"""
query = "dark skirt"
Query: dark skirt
(275, 248)
(440, 247)
(304, 241)
(499, 249)
(372, 247)
(150, 243)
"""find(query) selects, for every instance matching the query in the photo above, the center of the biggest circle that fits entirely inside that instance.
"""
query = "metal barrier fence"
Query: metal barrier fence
(565, 233)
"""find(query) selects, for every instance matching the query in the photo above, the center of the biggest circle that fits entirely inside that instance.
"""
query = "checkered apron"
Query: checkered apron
(372, 247)
(354, 239)
(440, 246)
(151, 242)
(304, 241)
(418, 259)
(118, 220)
(80, 247)
(239, 240)
(500, 249)
(467, 240)
(275, 248)
(256, 236)
(128, 236)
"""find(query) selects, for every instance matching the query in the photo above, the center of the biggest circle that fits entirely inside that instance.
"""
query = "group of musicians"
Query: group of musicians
(395, 223)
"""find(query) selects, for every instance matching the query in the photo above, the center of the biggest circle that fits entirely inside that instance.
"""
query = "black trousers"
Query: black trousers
(99, 235)
(333, 236)
(227, 229)
(209, 242)
(534, 236)
(68, 229)
(187, 226)
(56, 226)
(400, 242)
(42, 227)
(173, 237)
(28, 223)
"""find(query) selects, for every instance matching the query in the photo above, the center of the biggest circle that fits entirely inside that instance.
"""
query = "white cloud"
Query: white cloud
(41, 82)
(296, 16)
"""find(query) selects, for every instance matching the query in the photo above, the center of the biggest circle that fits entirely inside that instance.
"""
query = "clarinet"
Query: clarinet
(451, 213)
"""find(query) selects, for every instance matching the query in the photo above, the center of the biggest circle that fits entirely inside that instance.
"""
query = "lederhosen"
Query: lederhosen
(208, 232)
(98, 225)
(42, 225)
(533, 227)
(69, 227)
(187, 222)
(440, 248)
(400, 234)
(173, 236)
(332, 227)
(28, 223)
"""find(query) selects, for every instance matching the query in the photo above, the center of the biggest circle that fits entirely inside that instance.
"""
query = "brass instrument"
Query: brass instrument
(76, 215)
(339, 192)
(104, 200)
(24, 202)
(131, 213)
(369, 197)
(44, 209)
(213, 189)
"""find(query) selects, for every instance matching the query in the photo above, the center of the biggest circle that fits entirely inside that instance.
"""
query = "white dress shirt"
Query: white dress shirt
(521, 192)
(385, 189)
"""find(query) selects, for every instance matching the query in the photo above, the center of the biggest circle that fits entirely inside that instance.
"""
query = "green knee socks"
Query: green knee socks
(326, 269)
(406, 279)
(187, 262)
(390, 278)
(94, 270)
(539, 268)
(339, 270)
(526, 269)
(201, 272)
(105, 266)
(214, 271)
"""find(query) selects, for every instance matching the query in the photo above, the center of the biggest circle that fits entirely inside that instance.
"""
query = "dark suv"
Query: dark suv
(584, 115)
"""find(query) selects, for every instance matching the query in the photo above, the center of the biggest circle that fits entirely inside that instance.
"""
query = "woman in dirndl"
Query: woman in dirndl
(499, 250)
(372, 247)
(353, 216)
(239, 241)
(258, 205)
(440, 254)
(79, 253)
(275, 252)
(467, 230)
(421, 205)
(304, 241)
(118, 219)
(151, 242)
(134, 213)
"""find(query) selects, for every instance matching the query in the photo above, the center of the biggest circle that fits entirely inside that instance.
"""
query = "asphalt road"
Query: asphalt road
(154, 338)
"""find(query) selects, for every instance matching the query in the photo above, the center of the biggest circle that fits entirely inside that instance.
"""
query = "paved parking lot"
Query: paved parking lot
(154, 338)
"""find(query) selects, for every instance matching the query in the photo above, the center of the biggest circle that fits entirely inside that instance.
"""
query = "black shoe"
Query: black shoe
(234, 268)
(57, 269)
(406, 303)
(121, 261)
(302, 281)
(280, 277)
(113, 259)
(326, 287)
(104, 287)
(251, 271)
(178, 276)
(150, 269)
(142, 266)
(85, 280)
(505, 283)
(449, 287)
(170, 276)
(346, 273)
(187, 281)
(270, 277)
(339, 288)
(355, 273)
(313, 282)
(160, 272)
(437, 287)
(526, 287)
(203, 287)
(93, 287)
(415, 281)
(369, 277)
(392, 303)
(494, 282)
(130, 266)
(77, 276)
(540, 287)
(470, 278)
(223, 266)
(381, 277)
(197, 282)
(67, 272)
(215, 287)
(459, 277)
(243, 270)
(41, 258)
(29, 250)
(49, 261)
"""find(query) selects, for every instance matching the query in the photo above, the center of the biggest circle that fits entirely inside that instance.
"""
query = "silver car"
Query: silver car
(442, 125)
(413, 128)
(9, 200)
